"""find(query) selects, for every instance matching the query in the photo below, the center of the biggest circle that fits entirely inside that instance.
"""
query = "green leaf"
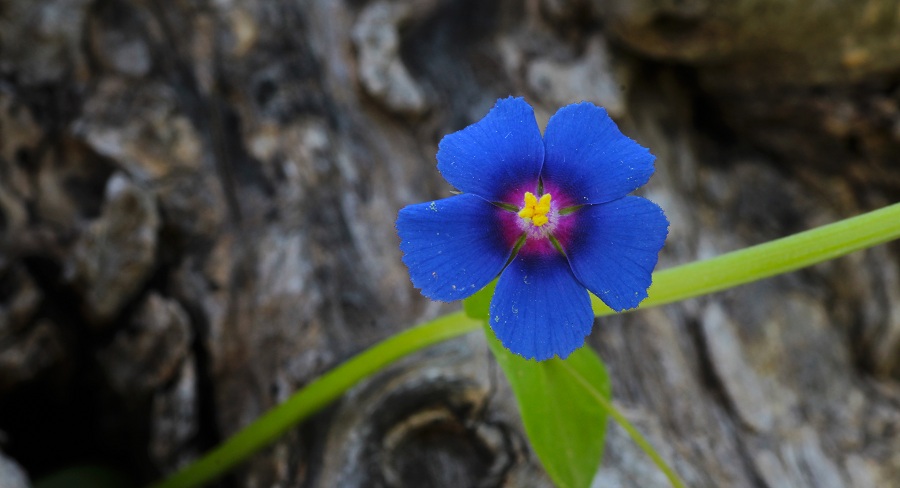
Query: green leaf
(478, 305)
(558, 404)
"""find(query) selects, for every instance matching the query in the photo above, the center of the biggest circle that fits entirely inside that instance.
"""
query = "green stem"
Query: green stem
(636, 436)
(769, 259)
(679, 283)
(315, 396)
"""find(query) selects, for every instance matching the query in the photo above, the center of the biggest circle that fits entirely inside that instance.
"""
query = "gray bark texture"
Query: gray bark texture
(196, 219)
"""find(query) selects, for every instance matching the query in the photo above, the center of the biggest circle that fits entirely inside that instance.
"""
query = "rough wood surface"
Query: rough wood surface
(197, 202)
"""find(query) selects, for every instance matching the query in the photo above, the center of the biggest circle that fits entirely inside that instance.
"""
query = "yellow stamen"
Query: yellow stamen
(543, 206)
(536, 210)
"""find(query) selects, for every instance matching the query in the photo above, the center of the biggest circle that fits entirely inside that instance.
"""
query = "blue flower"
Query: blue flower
(549, 215)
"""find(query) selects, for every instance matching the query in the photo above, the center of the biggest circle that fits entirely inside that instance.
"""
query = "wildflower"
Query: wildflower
(549, 215)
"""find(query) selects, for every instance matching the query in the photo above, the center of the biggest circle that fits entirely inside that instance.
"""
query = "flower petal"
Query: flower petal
(539, 309)
(452, 247)
(589, 160)
(614, 247)
(497, 157)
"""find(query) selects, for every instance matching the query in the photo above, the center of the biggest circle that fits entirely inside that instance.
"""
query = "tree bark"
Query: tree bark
(197, 202)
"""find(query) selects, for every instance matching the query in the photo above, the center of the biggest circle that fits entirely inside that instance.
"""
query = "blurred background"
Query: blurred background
(197, 201)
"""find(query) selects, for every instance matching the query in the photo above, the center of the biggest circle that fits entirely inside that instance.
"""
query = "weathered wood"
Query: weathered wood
(197, 203)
